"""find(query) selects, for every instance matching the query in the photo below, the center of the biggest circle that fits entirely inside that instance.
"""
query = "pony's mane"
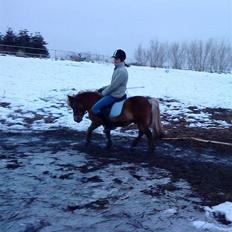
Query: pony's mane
(86, 91)
(81, 93)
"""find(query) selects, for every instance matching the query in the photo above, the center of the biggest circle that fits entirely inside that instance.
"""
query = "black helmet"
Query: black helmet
(119, 54)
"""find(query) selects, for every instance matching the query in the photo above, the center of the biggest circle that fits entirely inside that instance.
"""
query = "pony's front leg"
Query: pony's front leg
(137, 139)
(108, 136)
(91, 128)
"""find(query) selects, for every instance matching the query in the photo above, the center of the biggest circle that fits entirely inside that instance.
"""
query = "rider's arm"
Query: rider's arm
(116, 82)
(101, 89)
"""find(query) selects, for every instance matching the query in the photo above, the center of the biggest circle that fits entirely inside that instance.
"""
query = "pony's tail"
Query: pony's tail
(155, 125)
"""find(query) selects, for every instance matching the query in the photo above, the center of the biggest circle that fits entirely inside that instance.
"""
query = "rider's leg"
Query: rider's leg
(102, 103)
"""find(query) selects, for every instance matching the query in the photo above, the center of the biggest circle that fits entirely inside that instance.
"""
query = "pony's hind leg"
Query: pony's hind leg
(144, 128)
(137, 139)
(148, 133)
(150, 140)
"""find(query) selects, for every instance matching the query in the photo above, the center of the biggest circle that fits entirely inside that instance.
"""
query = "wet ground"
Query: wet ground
(49, 181)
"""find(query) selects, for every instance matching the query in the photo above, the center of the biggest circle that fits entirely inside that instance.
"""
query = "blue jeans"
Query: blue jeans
(102, 103)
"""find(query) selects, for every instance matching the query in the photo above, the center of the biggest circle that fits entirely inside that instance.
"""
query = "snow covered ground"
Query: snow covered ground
(33, 92)
(216, 214)
(33, 96)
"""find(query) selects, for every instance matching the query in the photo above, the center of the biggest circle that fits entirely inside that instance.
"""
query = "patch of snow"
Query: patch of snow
(215, 215)
(205, 226)
(221, 209)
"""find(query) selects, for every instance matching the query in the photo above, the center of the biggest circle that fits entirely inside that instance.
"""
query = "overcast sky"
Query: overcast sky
(105, 25)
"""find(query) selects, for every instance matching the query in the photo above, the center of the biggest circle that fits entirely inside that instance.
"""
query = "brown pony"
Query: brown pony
(140, 110)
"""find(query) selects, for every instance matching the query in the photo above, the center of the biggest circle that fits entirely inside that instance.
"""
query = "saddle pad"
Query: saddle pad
(116, 109)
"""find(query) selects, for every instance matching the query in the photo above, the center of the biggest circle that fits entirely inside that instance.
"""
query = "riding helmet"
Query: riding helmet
(119, 54)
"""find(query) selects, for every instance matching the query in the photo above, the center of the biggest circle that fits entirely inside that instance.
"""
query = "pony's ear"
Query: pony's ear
(70, 100)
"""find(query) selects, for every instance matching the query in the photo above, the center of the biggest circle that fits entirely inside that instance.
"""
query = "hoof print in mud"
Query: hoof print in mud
(160, 190)
(13, 165)
(95, 179)
(99, 204)
(66, 176)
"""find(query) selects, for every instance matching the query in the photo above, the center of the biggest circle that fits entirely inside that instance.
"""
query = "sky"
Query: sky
(103, 26)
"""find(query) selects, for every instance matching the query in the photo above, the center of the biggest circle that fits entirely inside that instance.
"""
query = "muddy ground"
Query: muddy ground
(50, 181)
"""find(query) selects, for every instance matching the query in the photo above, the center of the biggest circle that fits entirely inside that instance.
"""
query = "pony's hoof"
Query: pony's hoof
(132, 148)
(87, 143)
(151, 150)
(109, 149)
(109, 146)
(134, 144)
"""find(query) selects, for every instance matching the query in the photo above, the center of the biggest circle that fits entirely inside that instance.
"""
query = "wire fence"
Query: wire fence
(56, 54)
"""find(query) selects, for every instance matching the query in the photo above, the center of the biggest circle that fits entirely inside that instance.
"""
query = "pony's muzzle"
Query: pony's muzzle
(77, 118)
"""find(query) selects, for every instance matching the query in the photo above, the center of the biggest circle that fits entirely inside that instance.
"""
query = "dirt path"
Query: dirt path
(51, 182)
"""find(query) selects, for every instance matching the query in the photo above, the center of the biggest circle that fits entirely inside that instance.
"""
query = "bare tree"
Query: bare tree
(141, 57)
(177, 55)
(210, 56)
(157, 54)
(207, 48)
(193, 53)
(211, 63)
(224, 57)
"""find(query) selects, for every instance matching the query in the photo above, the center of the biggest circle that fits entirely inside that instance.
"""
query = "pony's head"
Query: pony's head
(82, 102)
(77, 106)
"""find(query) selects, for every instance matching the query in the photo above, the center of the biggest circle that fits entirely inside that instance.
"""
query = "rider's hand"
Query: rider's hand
(100, 90)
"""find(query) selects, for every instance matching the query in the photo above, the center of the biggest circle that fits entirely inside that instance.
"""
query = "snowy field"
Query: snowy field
(33, 92)
(33, 95)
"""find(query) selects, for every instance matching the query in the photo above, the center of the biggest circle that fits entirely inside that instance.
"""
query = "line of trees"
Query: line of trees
(209, 56)
(23, 43)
